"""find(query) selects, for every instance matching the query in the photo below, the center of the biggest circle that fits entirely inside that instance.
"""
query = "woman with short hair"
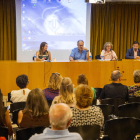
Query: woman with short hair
(66, 94)
(36, 110)
(43, 53)
(82, 79)
(134, 90)
(107, 51)
(83, 112)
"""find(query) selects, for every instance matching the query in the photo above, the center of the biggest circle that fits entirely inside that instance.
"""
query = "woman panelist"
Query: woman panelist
(107, 51)
(43, 54)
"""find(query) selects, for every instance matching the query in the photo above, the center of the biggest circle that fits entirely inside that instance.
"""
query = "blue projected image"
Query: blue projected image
(60, 23)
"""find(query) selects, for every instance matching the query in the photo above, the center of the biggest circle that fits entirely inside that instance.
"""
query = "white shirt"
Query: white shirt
(19, 96)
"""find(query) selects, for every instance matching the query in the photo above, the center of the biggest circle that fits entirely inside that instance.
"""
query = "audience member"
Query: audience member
(53, 86)
(115, 89)
(107, 51)
(134, 90)
(83, 80)
(36, 110)
(60, 117)
(134, 52)
(83, 112)
(20, 95)
(66, 94)
(4, 116)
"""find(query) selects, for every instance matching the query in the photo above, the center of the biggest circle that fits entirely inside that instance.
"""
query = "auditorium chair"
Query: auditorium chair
(107, 110)
(4, 132)
(26, 133)
(87, 132)
(122, 128)
(15, 116)
(18, 105)
(9, 97)
(97, 57)
(133, 99)
(113, 101)
(129, 110)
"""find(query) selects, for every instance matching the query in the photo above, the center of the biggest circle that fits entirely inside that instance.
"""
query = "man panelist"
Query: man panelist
(80, 52)
(134, 52)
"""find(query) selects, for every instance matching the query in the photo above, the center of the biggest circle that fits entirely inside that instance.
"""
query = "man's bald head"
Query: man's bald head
(60, 114)
(115, 75)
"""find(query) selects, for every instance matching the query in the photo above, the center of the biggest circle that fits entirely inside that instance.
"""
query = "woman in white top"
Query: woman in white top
(21, 94)
(107, 51)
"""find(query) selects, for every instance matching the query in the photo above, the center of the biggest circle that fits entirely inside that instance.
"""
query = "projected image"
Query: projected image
(60, 23)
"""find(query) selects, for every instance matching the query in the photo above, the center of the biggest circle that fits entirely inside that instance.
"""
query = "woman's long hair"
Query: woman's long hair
(42, 45)
(66, 91)
(36, 103)
(2, 113)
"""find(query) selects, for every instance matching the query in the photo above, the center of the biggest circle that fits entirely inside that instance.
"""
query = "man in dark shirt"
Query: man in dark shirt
(115, 89)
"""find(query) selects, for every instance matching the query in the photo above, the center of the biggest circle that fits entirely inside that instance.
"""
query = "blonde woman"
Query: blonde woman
(36, 110)
(107, 51)
(83, 112)
(43, 53)
(66, 94)
(53, 86)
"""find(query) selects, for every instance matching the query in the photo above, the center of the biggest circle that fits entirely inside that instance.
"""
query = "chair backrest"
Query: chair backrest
(133, 99)
(15, 116)
(4, 132)
(107, 110)
(113, 101)
(97, 57)
(87, 132)
(49, 102)
(18, 105)
(98, 92)
(121, 129)
(26, 133)
(9, 97)
(94, 102)
(129, 110)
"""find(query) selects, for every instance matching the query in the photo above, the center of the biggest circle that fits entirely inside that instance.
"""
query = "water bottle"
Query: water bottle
(35, 57)
(90, 56)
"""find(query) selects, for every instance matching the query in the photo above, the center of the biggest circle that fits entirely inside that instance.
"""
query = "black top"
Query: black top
(114, 90)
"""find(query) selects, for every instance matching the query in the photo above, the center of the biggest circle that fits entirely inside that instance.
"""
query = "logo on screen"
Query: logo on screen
(59, 0)
(33, 1)
(24, 38)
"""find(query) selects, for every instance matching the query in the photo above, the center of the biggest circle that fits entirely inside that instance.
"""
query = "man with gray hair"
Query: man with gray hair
(115, 89)
(60, 118)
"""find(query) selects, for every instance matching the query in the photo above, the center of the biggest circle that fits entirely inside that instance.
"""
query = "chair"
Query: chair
(129, 110)
(107, 110)
(15, 116)
(98, 92)
(26, 133)
(49, 102)
(113, 101)
(134, 99)
(18, 105)
(94, 102)
(87, 132)
(4, 132)
(9, 97)
(97, 57)
(121, 129)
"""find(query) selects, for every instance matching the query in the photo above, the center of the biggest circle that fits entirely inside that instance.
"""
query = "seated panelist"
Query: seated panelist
(107, 51)
(43, 54)
(80, 52)
(134, 52)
